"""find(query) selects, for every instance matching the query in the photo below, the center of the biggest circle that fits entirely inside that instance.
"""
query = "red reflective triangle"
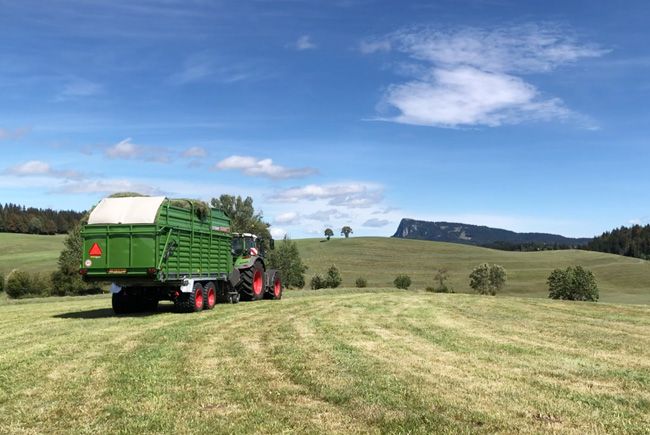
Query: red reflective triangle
(95, 250)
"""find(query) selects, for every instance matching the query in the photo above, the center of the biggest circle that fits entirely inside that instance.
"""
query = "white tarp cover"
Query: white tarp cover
(129, 210)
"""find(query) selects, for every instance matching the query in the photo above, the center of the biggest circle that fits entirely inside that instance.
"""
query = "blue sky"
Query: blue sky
(531, 116)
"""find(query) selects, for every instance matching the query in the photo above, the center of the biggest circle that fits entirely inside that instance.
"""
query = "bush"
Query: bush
(333, 279)
(317, 282)
(487, 279)
(573, 284)
(2, 283)
(21, 285)
(64, 284)
(440, 279)
(286, 258)
(402, 281)
(361, 282)
(18, 284)
(437, 289)
(41, 285)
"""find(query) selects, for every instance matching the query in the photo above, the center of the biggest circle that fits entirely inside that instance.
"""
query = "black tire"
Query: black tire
(209, 296)
(121, 303)
(252, 282)
(274, 290)
(275, 287)
(189, 302)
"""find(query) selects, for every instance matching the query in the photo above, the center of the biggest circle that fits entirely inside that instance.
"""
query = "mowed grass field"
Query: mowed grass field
(343, 361)
(29, 252)
(380, 259)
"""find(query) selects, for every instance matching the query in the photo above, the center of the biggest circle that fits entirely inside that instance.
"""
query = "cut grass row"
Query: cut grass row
(328, 361)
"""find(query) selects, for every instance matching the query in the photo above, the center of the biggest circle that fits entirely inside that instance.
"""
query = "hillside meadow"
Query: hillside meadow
(344, 361)
(29, 252)
(380, 259)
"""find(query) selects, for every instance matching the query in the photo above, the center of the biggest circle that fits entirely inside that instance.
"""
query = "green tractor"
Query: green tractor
(256, 281)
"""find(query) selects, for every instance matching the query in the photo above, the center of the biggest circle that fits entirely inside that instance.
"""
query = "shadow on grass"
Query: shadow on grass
(101, 313)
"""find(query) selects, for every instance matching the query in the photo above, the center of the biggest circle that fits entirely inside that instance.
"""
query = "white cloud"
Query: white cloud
(472, 76)
(35, 168)
(370, 46)
(107, 187)
(195, 152)
(351, 195)
(376, 223)
(288, 218)
(262, 168)
(277, 233)
(123, 150)
(80, 88)
(469, 96)
(127, 150)
(6, 134)
(207, 67)
(326, 215)
(304, 42)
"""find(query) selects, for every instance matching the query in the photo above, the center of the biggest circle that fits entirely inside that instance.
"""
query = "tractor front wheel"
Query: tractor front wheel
(277, 287)
(274, 289)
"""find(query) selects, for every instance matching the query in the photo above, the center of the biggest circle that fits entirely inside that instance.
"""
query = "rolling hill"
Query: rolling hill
(29, 252)
(380, 259)
(467, 234)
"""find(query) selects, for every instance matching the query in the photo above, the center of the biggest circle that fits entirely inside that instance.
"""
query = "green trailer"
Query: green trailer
(155, 248)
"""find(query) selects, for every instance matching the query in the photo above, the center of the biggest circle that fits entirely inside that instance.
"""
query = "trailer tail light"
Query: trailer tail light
(152, 271)
(83, 271)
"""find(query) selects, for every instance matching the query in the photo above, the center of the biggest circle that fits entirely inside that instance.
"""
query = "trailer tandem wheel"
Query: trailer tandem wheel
(121, 303)
(191, 302)
(209, 296)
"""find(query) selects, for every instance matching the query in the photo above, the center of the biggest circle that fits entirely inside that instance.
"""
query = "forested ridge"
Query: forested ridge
(631, 242)
(16, 218)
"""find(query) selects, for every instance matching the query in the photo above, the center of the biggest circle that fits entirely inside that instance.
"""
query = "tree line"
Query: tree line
(630, 242)
(528, 246)
(16, 218)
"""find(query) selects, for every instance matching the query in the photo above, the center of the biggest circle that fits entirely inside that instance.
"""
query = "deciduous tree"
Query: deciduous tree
(346, 231)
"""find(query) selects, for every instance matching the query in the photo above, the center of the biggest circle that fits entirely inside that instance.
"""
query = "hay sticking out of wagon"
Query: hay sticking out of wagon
(126, 195)
(201, 208)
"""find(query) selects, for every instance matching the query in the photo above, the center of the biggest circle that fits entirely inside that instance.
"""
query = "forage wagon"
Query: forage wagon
(156, 248)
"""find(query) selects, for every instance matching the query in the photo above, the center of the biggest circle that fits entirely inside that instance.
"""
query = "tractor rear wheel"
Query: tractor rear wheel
(209, 296)
(252, 282)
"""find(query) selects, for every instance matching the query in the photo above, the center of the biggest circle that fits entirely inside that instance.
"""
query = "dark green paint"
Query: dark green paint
(178, 244)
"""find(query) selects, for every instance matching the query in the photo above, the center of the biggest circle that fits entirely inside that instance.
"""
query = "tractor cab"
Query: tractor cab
(246, 244)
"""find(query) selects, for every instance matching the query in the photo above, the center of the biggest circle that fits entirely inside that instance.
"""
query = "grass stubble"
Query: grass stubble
(343, 361)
